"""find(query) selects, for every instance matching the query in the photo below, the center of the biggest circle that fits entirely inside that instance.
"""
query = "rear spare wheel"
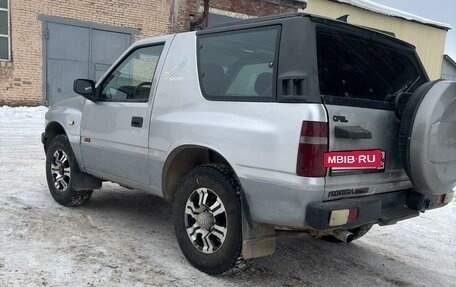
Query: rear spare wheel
(427, 138)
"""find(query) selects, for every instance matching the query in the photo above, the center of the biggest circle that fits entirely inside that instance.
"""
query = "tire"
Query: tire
(407, 119)
(358, 232)
(426, 138)
(61, 164)
(207, 203)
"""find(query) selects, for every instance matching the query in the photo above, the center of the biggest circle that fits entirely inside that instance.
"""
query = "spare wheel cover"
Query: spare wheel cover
(427, 139)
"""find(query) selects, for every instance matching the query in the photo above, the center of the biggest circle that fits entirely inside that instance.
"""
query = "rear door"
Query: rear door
(359, 79)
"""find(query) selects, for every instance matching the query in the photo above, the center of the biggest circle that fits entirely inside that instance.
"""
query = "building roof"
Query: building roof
(448, 58)
(385, 10)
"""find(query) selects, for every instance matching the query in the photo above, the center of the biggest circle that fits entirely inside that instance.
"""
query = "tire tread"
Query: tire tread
(238, 262)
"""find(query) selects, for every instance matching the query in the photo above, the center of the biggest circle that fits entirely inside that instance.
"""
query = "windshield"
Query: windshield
(353, 67)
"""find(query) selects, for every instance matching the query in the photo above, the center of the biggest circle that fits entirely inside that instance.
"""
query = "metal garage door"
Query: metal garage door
(74, 52)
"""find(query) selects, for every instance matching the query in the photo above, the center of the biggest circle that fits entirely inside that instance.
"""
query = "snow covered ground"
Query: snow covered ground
(125, 238)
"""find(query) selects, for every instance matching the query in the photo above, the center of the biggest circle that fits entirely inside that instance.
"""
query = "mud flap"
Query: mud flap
(258, 239)
(83, 181)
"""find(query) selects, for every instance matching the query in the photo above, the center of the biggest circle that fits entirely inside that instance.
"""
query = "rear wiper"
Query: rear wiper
(404, 89)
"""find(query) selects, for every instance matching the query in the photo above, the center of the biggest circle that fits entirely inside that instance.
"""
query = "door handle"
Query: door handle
(352, 132)
(137, 122)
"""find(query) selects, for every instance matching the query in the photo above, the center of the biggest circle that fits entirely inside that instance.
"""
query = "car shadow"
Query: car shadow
(299, 260)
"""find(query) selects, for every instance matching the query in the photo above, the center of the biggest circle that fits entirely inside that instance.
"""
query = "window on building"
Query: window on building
(132, 80)
(239, 65)
(4, 30)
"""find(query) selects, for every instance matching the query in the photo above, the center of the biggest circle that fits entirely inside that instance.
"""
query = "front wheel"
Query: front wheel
(207, 218)
(61, 166)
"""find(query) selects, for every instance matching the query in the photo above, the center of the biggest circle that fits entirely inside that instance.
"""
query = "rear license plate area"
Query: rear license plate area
(355, 162)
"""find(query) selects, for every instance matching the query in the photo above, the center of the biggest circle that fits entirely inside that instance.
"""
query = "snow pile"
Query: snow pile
(22, 112)
(385, 10)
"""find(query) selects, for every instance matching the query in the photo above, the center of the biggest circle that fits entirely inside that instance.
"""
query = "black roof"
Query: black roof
(257, 20)
(315, 18)
(449, 59)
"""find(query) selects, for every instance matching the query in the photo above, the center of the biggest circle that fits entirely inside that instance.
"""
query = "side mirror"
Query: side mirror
(85, 88)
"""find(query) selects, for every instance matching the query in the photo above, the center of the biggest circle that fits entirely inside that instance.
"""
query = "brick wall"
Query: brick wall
(248, 7)
(21, 79)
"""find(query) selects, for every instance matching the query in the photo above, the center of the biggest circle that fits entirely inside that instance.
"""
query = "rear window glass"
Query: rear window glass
(352, 67)
(239, 65)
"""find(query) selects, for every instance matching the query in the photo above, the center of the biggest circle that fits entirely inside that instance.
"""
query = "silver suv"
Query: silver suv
(291, 123)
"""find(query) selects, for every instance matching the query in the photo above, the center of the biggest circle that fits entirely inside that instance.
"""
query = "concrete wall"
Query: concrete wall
(21, 78)
(429, 41)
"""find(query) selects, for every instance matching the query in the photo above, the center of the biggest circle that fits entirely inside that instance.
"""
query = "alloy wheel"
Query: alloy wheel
(205, 220)
(60, 170)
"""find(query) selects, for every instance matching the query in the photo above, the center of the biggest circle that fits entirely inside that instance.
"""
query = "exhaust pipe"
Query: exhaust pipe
(343, 235)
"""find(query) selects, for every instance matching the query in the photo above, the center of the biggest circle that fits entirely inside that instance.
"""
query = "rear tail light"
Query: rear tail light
(353, 214)
(313, 144)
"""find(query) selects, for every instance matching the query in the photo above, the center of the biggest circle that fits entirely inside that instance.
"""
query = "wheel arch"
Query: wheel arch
(52, 130)
(183, 159)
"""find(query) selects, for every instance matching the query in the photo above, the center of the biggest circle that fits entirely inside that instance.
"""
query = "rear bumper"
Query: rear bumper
(384, 209)
(299, 204)
(281, 203)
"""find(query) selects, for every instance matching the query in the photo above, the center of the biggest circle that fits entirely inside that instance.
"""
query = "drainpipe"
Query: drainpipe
(174, 15)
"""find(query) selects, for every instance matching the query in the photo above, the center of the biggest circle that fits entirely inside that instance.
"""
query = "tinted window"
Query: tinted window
(132, 79)
(239, 65)
(4, 4)
(351, 67)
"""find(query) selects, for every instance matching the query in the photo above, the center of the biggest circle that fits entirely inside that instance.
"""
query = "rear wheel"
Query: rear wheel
(61, 167)
(207, 218)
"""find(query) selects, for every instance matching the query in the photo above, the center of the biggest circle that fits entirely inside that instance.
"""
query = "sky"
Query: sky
(437, 10)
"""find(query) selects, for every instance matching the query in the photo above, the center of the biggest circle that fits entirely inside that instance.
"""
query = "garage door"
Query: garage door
(74, 52)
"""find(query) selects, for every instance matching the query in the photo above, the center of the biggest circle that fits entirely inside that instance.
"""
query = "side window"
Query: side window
(239, 65)
(4, 30)
(131, 81)
(255, 79)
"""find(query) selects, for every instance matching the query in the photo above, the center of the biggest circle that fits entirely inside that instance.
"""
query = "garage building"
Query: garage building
(426, 35)
(46, 44)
